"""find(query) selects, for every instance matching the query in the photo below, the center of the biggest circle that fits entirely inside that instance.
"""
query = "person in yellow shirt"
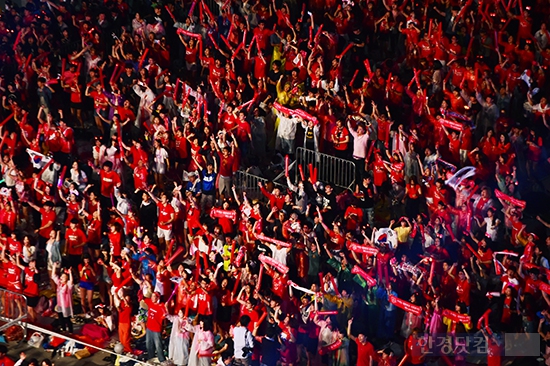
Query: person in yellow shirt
(283, 92)
(403, 231)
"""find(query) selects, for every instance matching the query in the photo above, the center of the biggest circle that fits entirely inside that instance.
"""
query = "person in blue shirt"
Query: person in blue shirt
(194, 184)
(208, 193)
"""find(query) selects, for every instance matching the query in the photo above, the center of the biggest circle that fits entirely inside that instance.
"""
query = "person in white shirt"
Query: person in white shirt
(286, 132)
(243, 342)
(146, 98)
(279, 253)
(360, 142)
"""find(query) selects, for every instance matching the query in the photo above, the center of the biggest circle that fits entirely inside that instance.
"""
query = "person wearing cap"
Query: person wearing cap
(194, 184)
(103, 326)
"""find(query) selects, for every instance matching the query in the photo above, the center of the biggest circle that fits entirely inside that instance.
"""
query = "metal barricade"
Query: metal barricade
(13, 311)
(246, 182)
(340, 172)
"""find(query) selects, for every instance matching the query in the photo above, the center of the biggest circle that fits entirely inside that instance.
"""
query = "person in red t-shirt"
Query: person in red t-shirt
(31, 280)
(75, 239)
(46, 223)
(156, 312)
(227, 158)
(115, 238)
(12, 273)
(109, 180)
(4, 359)
(166, 216)
(8, 214)
(463, 288)
(124, 320)
(340, 139)
(365, 350)
(353, 216)
(181, 144)
(262, 35)
(87, 276)
(101, 105)
(94, 232)
(203, 300)
(414, 348)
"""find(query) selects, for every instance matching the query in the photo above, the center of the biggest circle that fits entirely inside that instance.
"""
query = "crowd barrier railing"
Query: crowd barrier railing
(246, 182)
(338, 171)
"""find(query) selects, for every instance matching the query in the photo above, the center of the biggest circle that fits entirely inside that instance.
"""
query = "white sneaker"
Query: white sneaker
(88, 315)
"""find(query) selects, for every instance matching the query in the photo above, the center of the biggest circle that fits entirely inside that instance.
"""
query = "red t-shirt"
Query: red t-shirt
(140, 177)
(125, 113)
(340, 135)
(181, 147)
(463, 291)
(31, 287)
(124, 313)
(364, 353)
(100, 99)
(87, 274)
(6, 361)
(253, 314)
(46, 218)
(109, 180)
(94, 232)
(73, 238)
(115, 242)
(259, 67)
(165, 213)
(14, 246)
(68, 143)
(138, 154)
(13, 275)
(414, 349)
(155, 315)
(226, 165)
(262, 36)
(203, 302)
(9, 219)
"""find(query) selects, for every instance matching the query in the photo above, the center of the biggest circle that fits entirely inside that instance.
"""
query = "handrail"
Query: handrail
(55, 334)
(18, 319)
(24, 325)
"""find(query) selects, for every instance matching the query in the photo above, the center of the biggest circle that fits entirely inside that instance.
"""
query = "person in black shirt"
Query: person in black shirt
(326, 200)
(148, 214)
(311, 135)
(273, 76)
(365, 193)
(270, 348)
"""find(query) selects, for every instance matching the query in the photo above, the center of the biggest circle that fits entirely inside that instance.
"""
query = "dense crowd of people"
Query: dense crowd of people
(124, 124)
